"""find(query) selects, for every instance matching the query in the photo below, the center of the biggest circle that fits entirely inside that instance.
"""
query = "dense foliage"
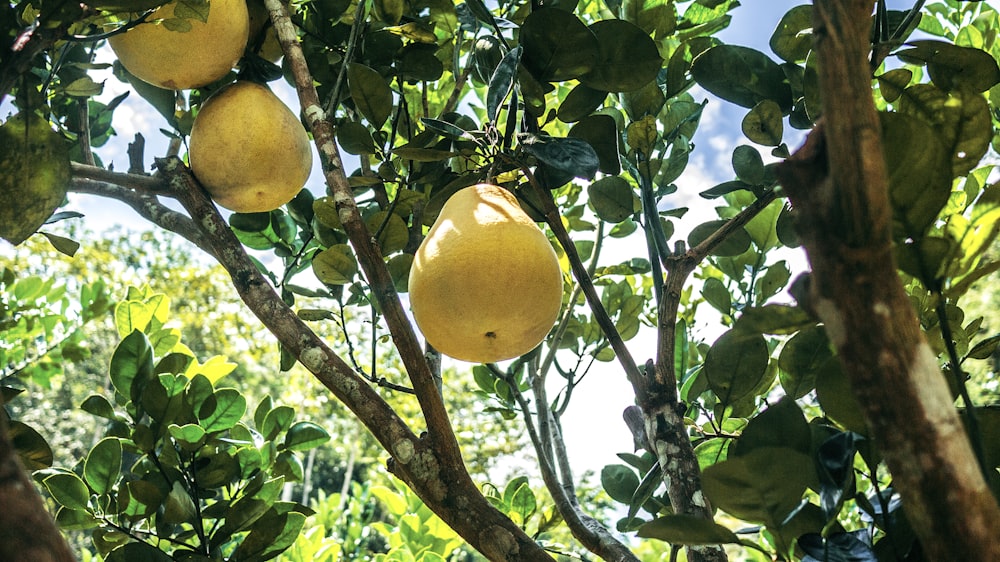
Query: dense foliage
(589, 112)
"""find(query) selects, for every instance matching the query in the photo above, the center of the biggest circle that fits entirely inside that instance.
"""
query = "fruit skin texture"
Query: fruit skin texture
(485, 284)
(179, 60)
(248, 150)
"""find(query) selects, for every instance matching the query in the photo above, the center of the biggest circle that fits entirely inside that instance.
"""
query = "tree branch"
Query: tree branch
(440, 479)
(838, 184)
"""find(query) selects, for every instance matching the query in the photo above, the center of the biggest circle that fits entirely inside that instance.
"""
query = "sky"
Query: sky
(597, 406)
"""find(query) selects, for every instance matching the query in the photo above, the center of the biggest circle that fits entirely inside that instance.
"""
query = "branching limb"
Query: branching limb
(838, 183)
(434, 467)
(144, 203)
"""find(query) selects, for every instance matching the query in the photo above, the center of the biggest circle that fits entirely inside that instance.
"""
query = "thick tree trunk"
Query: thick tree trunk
(27, 531)
(837, 183)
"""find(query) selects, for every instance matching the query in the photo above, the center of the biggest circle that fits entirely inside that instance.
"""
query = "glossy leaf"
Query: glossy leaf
(568, 155)
(763, 124)
(131, 365)
(580, 102)
(370, 92)
(919, 173)
(223, 410)
(733, 245)
(613, 199)
(601, 133)
(620, 482)
(687, 530)
(735, 364)
(742, 76)
(801, 358)
(792, 39)
(953, 67)
(68, 490)
(557, 45)
(103, 465)
(355, 138)
(502, 82)
(335, 265)
(303, 436)
(33, 450)
(653, 17)
(627, 57)
(755, 488)
(781, 425)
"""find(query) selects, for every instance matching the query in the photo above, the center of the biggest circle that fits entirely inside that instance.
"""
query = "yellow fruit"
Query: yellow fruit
(485, 284)
(270, 48)
(179, 60)
(248, 149)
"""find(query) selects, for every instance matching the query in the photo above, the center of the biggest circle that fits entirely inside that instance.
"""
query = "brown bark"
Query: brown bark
(837, 183)
(27, 531)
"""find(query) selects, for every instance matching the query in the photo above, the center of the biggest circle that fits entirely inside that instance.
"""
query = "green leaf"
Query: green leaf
(961, 121)
(627, 59)
(189, 436)
(763, 124)
(781, 425)
(276, 421)
(613, 199)
(65, 246)
(137, 551)
(390, 229)
(748, 165)
(335, 265)
(735, 365)
(687, 530)
(755, 488)
(68, 490)
(132, 365)
(270, 536)
(502, 82)
(620, 482)
(654, 17)
(222, 410)
(984, 348)
(355, 138)
(304, 435)
(716, 294)
(569, 155)
(735, 244)
(952, 67)
(103, 465)
(34, 175)
(31, 447)
(557, 45)
(801, 358)
(579, 103)
(919, 173)
(601, 133)
(742, 76)
(833, 392)
(370, 92)
(792, 39)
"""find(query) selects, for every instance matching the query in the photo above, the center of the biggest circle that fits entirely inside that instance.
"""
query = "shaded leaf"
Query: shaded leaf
(792, 39)
(335, 265)
(601, 133)
(568, 155)
(620, 482)
(370, 92)
(557, 45)
(613, 199)
(627, 59)
(687, 530)
(755, 488)
(502, 82)
(953, 67)
(742, 76)
(735, 364)
(763, 124)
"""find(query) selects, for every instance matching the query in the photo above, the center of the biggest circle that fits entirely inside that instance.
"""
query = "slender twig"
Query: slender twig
(352, 42)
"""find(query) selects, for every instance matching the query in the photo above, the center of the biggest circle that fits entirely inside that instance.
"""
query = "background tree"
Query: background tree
(788, 420)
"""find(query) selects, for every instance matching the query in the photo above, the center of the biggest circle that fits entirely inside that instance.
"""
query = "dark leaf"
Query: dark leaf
(763, 124)
(355, 138)
(601, 133)
(735, 364)
(568, 155)
(620, 482)
(687, 530)
(557, 45)
(954, 67)
(742, 76)
(502, 82)
(792, 40)
(613, 199)
(370, 92)
(627, 59)
(781, 425)
(755, 488)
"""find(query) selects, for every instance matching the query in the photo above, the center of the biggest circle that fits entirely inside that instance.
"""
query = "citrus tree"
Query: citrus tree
(836, 425)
